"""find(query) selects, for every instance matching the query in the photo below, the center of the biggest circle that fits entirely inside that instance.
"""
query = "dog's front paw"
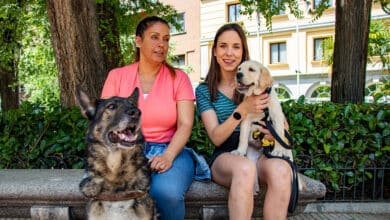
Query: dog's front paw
(90, 187)
(282, 152)
(237, 152)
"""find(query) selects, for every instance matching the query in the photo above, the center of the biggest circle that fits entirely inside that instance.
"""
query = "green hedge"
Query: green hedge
(34, 138)
(327, 136)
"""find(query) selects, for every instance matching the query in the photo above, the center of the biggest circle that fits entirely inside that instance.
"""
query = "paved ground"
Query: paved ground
(332, 211)
(345, 211)
(311, 216)
(340, 216)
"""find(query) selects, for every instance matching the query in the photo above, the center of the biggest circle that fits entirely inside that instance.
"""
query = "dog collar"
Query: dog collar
(268, 90)
(120, 196)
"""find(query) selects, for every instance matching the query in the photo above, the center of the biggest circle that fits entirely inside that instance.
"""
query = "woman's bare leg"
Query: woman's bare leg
(237, 173)
(276, 174)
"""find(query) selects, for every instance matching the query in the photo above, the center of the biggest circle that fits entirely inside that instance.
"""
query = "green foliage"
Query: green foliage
(25, 41)
(327, 137)
(37, 68)
(199, 139)
(26, 49)
(379, 43)
(32, 137)
(9, 33)
(330, 136)
(270, 8)
(383, 89)
(127, 15)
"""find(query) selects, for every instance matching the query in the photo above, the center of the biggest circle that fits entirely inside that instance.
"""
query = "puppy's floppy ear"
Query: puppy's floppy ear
(265, 78)
(87, 105)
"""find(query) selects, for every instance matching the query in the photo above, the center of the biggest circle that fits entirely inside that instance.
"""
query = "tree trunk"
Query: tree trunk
(75, 37)
(9, 91)
(350, 50)
(9, 95)
(109, 34)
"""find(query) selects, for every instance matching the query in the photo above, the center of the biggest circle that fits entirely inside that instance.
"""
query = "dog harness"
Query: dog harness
(268, 147)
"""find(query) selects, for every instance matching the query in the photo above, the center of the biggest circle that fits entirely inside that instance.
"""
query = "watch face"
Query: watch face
(237, 115)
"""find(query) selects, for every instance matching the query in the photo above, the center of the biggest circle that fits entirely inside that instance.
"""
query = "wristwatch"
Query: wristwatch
(237, 115)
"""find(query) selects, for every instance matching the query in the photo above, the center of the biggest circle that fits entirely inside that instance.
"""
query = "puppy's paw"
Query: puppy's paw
(282, 152)
(90, 187)
(237, 152)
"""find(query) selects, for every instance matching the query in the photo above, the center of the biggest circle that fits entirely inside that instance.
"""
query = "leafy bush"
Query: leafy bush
(32, 137)
(327, 136)
(330, 137)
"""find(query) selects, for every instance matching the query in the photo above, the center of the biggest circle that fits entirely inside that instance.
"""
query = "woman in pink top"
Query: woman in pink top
(167, 106)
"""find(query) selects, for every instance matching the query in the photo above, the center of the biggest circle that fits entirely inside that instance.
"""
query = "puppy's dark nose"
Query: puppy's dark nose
(239, 75)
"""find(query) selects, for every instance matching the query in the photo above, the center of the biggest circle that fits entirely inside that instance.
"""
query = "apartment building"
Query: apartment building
(186, 42)
(292, 50)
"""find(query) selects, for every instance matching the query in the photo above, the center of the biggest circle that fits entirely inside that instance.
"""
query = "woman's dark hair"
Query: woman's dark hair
(142, 26)
(214, 74)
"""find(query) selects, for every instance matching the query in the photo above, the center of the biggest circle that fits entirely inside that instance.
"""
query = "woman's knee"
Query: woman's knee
(166, 194)
(245, 169)
(276, 171)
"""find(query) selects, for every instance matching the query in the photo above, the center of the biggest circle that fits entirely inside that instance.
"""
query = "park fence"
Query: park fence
(365, 184)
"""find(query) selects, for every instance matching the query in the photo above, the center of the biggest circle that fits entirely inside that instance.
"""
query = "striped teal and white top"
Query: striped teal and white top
(223, 106)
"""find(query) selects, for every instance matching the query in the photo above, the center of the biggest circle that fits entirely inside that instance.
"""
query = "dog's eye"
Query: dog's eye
(111, 106)
(251, 69)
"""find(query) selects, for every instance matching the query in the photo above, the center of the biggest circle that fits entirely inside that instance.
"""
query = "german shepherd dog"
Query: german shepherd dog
(118, 178)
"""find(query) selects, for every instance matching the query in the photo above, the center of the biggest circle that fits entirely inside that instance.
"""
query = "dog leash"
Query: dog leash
(267, 152)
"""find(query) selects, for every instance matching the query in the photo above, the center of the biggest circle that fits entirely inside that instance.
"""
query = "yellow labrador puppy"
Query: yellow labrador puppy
(253, 78)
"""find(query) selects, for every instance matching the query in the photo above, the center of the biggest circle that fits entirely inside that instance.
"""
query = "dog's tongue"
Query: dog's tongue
(241, 86)
(127, 138)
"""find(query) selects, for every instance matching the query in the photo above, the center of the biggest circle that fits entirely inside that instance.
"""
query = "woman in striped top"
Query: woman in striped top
(222, 109)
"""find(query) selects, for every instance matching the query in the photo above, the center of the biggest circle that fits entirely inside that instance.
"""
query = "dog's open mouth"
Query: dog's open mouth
(241, 87)
(125, 137)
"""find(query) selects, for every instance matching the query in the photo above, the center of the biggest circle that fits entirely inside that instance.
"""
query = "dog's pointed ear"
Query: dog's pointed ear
(265, 78)
(133, 98)
(87, 105)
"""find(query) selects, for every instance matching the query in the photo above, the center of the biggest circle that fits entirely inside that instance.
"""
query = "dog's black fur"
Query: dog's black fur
(118, 174)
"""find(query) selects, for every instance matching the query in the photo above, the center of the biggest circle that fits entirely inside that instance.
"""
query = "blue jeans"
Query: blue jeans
(168, 189)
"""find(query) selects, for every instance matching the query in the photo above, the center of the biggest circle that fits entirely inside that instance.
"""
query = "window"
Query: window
(179, 61)
(283, 93)
(323, 91)
(319, 48)
(180, 21)
(317, 3)
(278, 53)
(277, 3)
(234, 12)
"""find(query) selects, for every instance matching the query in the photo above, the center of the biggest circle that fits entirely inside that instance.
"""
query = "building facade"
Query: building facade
(186, 42)
(292, 50)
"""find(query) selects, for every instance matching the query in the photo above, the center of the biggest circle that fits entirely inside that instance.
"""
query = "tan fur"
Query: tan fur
(253, 79)
(118, 174)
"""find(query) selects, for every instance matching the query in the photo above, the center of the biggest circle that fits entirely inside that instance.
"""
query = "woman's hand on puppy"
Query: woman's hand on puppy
(266, 132)
(255, 103)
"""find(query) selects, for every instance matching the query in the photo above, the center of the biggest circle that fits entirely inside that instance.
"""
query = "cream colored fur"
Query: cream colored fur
(253, 79)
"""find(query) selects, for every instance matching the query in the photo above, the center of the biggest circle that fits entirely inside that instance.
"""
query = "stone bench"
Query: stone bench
(54, 194)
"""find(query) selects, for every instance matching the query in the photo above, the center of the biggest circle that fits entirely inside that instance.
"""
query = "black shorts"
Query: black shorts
(229, 145)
